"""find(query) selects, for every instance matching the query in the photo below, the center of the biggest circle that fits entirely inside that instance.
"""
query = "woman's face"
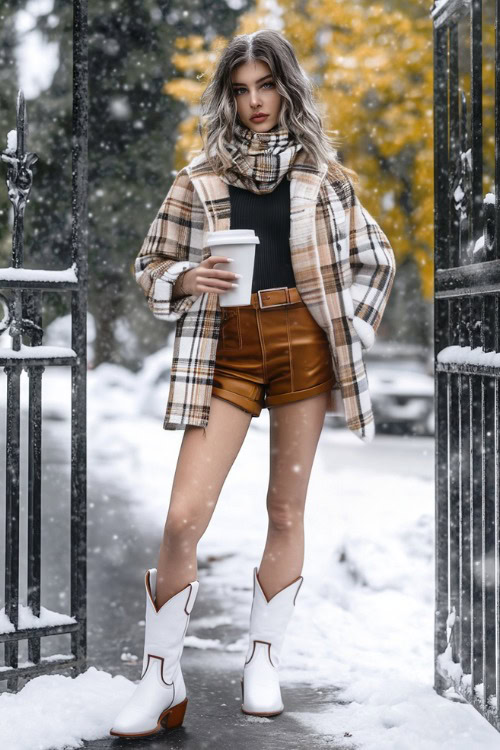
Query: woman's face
(254, 92)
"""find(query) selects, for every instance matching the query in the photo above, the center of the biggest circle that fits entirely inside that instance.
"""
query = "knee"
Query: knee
(285, 516)
(181, 528)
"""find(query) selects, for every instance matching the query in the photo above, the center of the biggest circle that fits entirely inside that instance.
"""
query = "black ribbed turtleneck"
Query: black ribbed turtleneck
(269, 216)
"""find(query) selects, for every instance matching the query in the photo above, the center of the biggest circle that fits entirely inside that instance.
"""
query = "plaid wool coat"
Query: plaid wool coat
(344, 270)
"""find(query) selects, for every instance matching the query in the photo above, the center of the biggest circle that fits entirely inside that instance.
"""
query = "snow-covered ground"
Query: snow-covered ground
(364, 616)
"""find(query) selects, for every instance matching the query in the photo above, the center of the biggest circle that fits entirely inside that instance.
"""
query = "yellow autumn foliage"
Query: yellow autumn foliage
(373, 72)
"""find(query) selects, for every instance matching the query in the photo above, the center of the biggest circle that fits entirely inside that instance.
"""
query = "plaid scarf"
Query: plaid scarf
(261, 160)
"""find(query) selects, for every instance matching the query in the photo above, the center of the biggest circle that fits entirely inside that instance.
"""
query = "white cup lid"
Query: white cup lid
(232, 236)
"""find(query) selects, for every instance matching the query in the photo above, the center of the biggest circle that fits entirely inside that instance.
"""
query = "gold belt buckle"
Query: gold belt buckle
(272, 289)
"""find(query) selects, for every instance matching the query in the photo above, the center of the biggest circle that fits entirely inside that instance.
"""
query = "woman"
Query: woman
(322, 277)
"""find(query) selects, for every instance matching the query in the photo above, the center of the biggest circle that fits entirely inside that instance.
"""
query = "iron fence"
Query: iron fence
(467, 363)
(21, 300)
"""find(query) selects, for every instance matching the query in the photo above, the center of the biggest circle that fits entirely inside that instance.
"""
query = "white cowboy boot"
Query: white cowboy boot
(260, 687)
(159, 700)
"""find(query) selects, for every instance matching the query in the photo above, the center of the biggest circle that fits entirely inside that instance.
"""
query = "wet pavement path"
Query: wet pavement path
(213, 720)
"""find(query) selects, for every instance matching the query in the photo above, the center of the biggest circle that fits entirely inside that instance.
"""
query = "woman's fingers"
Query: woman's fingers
(212, 284)
(210, 279)
(208, 270)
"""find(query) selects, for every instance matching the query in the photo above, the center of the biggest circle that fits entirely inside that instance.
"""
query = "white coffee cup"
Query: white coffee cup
(238, 244)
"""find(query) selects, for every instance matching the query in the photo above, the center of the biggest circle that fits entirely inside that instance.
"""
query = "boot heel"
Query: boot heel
(173, 717)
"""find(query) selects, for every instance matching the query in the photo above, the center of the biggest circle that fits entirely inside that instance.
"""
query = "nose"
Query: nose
(254, 99)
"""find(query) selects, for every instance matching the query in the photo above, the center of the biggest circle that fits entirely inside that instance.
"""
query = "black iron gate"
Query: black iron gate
(23, 319)
(467, 355)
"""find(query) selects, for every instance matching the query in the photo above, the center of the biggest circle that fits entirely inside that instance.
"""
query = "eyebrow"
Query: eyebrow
(269, 75)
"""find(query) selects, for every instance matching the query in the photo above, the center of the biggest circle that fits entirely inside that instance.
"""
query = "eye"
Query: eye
(241, 88)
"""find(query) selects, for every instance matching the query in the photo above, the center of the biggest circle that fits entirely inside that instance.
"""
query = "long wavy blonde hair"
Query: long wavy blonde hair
(299, 111)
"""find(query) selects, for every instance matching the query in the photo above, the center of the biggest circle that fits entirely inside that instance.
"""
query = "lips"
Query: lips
(259, 117)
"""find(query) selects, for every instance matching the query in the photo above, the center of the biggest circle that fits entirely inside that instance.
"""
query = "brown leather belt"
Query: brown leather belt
(275, 297)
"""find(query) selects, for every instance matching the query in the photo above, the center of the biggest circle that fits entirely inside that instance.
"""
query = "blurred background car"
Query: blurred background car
(401, 386)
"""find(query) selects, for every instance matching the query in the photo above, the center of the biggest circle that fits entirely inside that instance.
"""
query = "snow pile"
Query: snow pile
(54, 711)
(35, 274)
(464, 355)
(28, 620)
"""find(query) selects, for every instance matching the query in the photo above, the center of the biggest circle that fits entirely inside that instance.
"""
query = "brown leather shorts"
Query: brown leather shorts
(269, 355)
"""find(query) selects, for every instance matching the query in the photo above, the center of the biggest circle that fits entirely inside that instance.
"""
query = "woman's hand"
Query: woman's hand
(206, 278)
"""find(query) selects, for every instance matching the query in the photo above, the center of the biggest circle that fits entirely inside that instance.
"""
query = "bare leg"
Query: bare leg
(202, 467)
(294, 435)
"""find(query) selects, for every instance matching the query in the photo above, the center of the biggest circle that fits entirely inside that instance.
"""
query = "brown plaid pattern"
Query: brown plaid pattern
(260, 160)
(343, 263)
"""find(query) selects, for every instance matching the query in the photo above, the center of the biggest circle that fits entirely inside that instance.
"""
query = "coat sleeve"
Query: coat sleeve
(373, 269)
(164, 254)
